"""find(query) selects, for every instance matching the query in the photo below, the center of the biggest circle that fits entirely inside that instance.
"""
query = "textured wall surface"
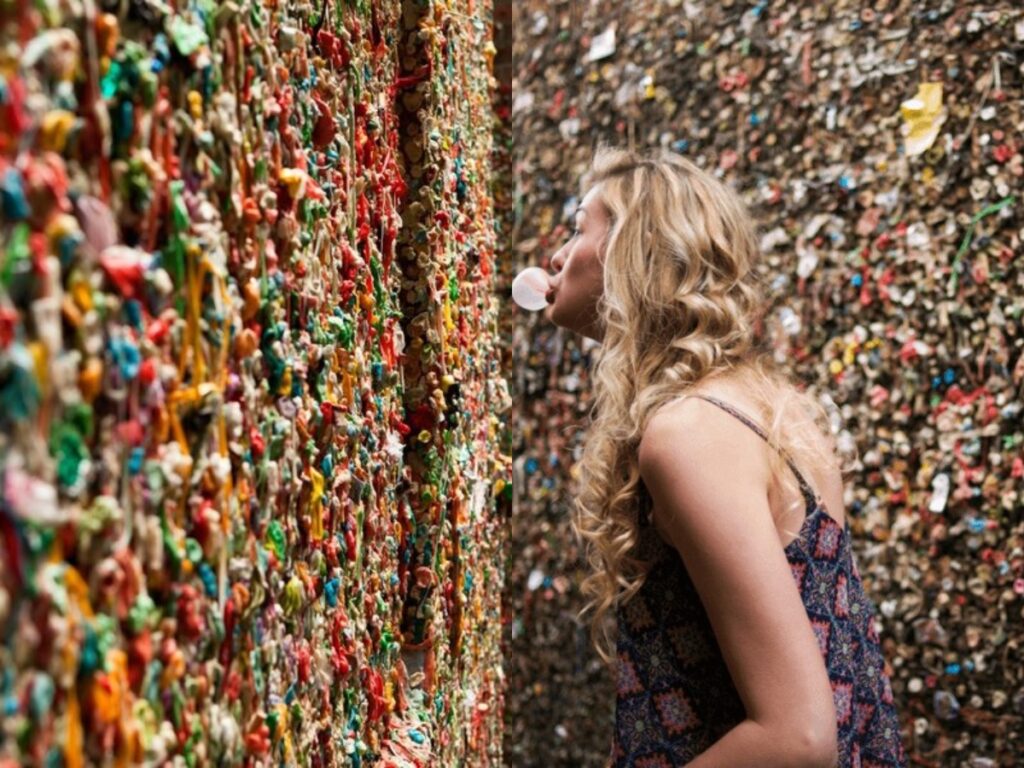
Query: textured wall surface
(250, 384)
(879, 147)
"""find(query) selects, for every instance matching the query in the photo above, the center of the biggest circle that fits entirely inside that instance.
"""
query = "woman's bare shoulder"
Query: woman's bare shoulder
(736, 390)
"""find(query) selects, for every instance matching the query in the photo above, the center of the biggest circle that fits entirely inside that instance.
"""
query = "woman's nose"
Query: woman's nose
(558, 260)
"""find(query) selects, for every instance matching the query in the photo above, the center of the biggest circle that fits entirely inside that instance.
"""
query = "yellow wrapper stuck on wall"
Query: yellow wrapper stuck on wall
(923, 116)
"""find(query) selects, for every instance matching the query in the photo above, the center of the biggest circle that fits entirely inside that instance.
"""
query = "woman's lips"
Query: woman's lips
(550, 295)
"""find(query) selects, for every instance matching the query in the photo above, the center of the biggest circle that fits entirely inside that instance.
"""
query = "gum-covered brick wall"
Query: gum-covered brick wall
(879, 145)
(250, 384)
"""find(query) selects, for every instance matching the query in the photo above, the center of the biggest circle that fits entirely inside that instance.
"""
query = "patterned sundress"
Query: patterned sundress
(675, 696)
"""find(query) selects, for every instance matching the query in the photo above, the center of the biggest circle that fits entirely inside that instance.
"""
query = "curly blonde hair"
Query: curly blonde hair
(681, 302)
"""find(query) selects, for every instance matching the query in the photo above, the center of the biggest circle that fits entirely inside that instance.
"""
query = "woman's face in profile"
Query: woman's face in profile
(579, 271)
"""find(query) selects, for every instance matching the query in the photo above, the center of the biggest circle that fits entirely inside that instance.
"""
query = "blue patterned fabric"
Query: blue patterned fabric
(675, 696)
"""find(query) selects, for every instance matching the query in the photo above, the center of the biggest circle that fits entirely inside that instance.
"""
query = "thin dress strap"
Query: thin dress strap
(805, 488)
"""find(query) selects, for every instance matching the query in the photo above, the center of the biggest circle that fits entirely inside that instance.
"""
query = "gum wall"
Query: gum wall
(251, 392)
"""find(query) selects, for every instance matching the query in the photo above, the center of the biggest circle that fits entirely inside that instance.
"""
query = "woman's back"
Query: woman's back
(821, 471)
(675, 694)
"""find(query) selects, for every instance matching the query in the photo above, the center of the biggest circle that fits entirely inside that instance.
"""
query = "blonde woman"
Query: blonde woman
(711, 495)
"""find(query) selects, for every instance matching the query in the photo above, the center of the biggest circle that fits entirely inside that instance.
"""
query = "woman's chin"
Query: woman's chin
(549, 313)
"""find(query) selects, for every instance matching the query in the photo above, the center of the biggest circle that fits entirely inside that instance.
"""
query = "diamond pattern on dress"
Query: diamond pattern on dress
(862, 719)
(628, 682)
(822, 630)
(638, 615)
(690, 644)
(799, 571)
(653, 761)
(675, 711)
(886, 690)
(844, 651)
(829, 535)
(842, 697)
(842, 604)
(872, 632)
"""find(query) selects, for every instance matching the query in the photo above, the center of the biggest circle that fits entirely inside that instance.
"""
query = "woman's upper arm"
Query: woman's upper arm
(707, 474)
